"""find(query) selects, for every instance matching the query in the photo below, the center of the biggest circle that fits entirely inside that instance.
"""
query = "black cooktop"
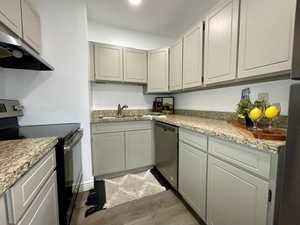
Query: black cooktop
(62, 131)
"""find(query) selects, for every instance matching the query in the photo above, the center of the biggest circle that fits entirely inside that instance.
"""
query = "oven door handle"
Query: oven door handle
(75, 139)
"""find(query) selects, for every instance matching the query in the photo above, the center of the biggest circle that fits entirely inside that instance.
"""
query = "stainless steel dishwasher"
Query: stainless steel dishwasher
(166, 152)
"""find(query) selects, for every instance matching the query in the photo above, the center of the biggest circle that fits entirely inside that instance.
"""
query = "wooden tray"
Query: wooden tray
(265, 134)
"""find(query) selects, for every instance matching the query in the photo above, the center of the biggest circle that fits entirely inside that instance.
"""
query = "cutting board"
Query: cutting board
(265, 134)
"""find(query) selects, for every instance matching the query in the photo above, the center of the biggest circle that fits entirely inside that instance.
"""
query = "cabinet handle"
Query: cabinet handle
(270, 196)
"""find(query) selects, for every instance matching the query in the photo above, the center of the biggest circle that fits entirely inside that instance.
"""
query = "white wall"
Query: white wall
(226, 99)
(108, 96)
(123, 37)
(61, 96)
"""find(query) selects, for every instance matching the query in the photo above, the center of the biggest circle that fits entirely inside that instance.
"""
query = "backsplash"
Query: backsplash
(102, 113)
(281, 122)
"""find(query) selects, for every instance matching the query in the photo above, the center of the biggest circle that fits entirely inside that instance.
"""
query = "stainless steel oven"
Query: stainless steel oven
(73, 170)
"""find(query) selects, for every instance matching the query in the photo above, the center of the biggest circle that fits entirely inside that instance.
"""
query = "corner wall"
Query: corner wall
(61, 96)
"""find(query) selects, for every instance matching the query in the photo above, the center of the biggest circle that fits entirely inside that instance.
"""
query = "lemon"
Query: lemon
(256, 114)
(272, 112)
(241, 116)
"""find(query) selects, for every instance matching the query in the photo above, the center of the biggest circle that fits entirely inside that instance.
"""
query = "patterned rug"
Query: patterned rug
(116, 191)
(130, 187)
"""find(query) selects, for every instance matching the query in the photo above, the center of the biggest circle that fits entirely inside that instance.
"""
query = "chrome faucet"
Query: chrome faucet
(120, 110)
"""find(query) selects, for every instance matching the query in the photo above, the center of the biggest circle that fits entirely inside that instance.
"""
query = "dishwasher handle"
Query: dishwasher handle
(167, 127)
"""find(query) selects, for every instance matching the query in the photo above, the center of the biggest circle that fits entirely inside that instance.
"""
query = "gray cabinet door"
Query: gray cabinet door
(193, 57)
(10, 15)
(44, 209)
(176, 57)
(139, 149)
(3, 217)
(221, 42)
(135, 65)
(266, 37)
(92, 61)
(158, 71)
(108, 62)
(192, 177)
(32, 32)
(108, 153)
(234, 196)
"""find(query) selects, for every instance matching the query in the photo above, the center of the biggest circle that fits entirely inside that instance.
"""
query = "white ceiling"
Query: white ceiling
(169, 18)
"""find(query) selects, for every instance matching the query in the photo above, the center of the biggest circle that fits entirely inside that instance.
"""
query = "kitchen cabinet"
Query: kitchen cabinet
(122, 146)
(3, 213)
(192, 177)
(25, 191)
(139, 149)
(235, 196)
(135, 65)
(266, 37)
(176, 57)
(108, 153)
(221, 42)
(91, 61)
(10, 15)
(158, 71)
(108, 62)
(44, 209)
(31, 26)
(193, 57)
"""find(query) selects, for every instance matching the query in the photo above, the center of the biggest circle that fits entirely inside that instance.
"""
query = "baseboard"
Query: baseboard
(86, 185)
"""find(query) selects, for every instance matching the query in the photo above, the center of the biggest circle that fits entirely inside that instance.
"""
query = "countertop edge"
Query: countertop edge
(26, 166)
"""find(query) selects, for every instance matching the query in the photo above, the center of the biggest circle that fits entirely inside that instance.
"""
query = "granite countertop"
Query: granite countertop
(222, 129)
(211, 127)
(118, 119)
(18, 156)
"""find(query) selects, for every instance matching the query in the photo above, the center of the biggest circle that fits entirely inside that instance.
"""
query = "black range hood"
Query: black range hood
(16, 54)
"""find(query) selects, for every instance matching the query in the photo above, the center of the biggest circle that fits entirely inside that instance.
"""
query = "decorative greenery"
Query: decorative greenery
(261, 104)
(244, 107)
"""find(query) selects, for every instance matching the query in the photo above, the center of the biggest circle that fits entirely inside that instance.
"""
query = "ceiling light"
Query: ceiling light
(135, 2)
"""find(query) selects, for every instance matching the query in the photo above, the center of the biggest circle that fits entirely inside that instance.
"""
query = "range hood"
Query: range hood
(16, 54)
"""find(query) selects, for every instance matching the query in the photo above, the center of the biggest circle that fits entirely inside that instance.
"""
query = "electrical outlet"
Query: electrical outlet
(263, 96)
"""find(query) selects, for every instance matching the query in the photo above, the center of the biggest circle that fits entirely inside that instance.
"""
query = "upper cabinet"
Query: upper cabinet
(176, 57)
(158, 71)
(221, 42)
(91, 61)
(193, 57)
(135, 65)
(108, 63)
(31, 26)
(266, 37)
(10, 15)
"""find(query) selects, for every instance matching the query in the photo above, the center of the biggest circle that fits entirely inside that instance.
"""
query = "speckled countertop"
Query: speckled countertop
(118, 119)
(18, 156)
(211, 127)
(222, 129)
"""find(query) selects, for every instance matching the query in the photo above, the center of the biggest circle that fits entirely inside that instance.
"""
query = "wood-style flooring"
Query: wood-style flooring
(160, 209)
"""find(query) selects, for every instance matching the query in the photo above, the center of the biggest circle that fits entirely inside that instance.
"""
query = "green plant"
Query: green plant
(261, 104)
(244, 107)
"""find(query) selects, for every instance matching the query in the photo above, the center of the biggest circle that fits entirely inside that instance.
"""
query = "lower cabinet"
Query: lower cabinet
(108, 153)
(235, 196)
(3, 213)
(192, 177)
(122, 146)
(44, 209)
(139, 149)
